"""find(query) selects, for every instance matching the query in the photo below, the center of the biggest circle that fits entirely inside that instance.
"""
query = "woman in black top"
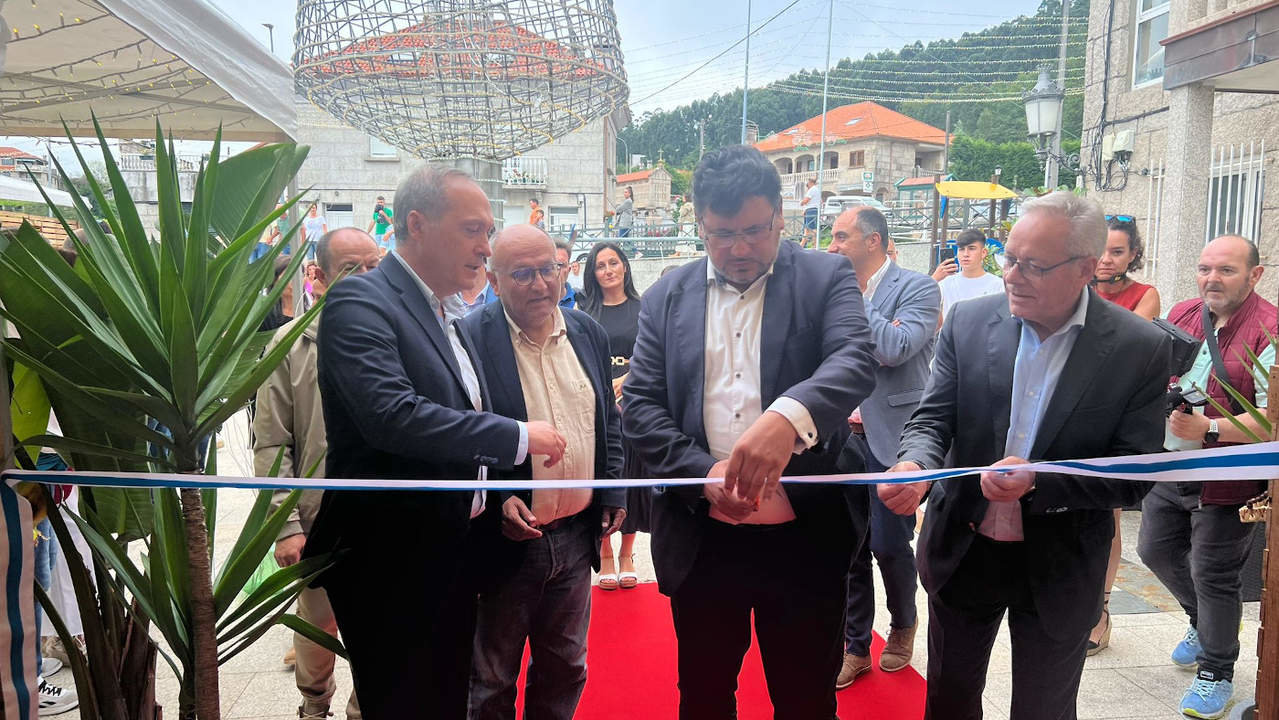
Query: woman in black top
(611, 299)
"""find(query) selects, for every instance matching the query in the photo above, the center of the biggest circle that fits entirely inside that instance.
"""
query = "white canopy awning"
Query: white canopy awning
(131, 60)
(23, 191)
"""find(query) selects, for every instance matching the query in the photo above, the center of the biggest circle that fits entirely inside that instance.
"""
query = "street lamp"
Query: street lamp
(270, 33)
(1043, 115)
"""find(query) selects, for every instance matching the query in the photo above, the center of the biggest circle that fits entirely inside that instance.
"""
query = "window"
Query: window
(382, 151)
(857, 158)
(1148, 57)
(1234, 203)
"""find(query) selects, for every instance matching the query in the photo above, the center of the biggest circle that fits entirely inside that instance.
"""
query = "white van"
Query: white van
(836, 204)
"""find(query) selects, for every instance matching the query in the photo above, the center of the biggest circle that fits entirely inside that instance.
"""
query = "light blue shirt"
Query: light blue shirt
(1036, 370)
(454, 309)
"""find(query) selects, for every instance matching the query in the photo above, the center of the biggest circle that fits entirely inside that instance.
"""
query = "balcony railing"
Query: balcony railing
(524, 171)
(186, 163)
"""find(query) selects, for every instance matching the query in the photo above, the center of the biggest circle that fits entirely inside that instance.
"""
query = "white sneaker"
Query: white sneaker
(49, 666)
(56, 700)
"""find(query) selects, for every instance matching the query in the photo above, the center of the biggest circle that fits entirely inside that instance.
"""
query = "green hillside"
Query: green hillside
(979, 77)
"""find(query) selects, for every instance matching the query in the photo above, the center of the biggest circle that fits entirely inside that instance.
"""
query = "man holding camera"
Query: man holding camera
(1191, 535)
(383, 217)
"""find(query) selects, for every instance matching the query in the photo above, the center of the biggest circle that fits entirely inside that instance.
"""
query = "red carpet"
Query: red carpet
(632, 670)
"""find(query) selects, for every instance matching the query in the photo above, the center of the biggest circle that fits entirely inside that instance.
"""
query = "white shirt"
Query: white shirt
(314, 227)
(814, 197)
(872, 283)
(731, 395)
(1035, 374)
(446, 311)
(959, 287)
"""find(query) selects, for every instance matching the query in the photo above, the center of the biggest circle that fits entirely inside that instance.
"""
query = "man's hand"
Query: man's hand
(544, 439)
(759, 456)
(945, 270)
(903, 498)
(289, 550)
(518, 522)
(612, 519)
(617, 387)
(1007, 486)
(1188, 426)
(728, 502)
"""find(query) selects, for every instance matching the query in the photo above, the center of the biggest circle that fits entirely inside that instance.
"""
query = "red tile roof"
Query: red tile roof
(853, 122)
(635, 176)
(13, 152)
(921, 181)
(516, 52)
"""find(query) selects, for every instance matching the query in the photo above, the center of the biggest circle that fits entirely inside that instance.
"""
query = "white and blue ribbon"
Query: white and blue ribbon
(1238, 462)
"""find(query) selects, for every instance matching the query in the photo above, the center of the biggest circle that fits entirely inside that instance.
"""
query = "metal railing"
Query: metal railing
(524, 171)
(186, 163)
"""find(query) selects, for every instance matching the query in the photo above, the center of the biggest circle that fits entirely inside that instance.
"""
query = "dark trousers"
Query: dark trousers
(795, 589)
(890, 536)
(963, 620)
(408, 624)
(546, 600)
(1198, 553)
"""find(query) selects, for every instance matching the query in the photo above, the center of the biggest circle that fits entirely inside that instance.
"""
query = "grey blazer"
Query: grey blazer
(903, 351)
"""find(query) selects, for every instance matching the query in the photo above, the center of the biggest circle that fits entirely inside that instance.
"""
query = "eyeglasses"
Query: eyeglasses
(1121, 218)
(524, 276)
(724, 239)
(1033, 270)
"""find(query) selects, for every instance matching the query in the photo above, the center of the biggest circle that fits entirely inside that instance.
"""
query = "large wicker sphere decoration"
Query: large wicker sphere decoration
(461, 78)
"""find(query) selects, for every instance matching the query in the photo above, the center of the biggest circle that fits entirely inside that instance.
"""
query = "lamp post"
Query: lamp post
(270, 34)
(1043, 123)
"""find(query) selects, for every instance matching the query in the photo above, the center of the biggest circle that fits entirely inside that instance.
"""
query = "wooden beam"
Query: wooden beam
(1267, 693)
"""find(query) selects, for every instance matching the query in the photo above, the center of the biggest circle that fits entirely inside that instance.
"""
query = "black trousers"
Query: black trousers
(796, 590)
(409, 631)
(964, 618)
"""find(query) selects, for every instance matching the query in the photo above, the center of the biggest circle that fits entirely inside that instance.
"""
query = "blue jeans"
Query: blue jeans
(547, 600)
(46, 552)
(889, 542)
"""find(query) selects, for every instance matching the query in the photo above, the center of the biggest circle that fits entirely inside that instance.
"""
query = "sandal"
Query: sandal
(628, 580)
(607, 581)
(1102, 642)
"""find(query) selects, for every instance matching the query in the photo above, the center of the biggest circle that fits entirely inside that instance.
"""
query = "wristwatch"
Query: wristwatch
(1212, 434)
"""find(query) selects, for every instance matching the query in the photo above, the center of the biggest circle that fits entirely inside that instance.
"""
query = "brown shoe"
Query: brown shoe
(854, 665)
(899, 649)
(290, 657)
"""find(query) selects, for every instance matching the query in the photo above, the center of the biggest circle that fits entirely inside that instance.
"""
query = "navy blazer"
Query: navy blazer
(1067, 520)
(488, 330)
(395, 407)
(815, 347)
(903, 351)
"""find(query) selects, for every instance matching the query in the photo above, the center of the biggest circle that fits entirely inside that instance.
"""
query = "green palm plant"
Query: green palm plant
(144, 349)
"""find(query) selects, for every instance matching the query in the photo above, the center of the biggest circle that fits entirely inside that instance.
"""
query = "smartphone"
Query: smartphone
(944, 254)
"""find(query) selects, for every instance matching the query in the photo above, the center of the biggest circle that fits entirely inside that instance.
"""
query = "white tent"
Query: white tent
(23, 191)
(132, 60)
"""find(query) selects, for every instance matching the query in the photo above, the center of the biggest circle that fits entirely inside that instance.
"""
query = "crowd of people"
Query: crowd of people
(461, 353)
(465, 354)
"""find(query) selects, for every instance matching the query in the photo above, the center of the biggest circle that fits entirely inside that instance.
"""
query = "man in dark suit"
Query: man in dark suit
(551, 364)
(902, 307)
(1015, 378)
(746, 367)
(404, 397)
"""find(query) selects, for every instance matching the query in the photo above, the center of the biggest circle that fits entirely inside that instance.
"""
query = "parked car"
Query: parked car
(837, 204)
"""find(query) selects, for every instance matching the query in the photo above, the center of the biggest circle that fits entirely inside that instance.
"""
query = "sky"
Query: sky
(663, 40)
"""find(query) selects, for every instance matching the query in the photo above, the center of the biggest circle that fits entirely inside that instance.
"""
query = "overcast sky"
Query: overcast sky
(662, 40)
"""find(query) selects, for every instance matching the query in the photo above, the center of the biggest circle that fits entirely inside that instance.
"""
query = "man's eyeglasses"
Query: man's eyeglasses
(1034, 270)
(524, 276)
(1121, 218)
(725, 239)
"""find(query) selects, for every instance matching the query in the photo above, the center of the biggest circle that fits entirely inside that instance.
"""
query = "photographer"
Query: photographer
(1191, 535)
(383, 217)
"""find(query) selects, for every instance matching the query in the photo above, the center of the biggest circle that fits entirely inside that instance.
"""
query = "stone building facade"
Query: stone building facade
(1166, 140)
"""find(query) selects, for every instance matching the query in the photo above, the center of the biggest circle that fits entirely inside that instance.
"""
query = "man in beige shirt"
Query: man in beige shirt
(289, 416)
(552, 364)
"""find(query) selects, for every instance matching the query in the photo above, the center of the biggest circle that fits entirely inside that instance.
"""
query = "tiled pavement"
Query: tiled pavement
(1130, 680)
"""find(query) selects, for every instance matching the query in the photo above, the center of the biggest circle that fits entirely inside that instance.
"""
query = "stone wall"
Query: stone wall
(1145, 111)
(576, 177)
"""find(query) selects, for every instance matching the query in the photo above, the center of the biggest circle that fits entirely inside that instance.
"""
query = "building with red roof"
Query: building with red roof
(869, 148)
